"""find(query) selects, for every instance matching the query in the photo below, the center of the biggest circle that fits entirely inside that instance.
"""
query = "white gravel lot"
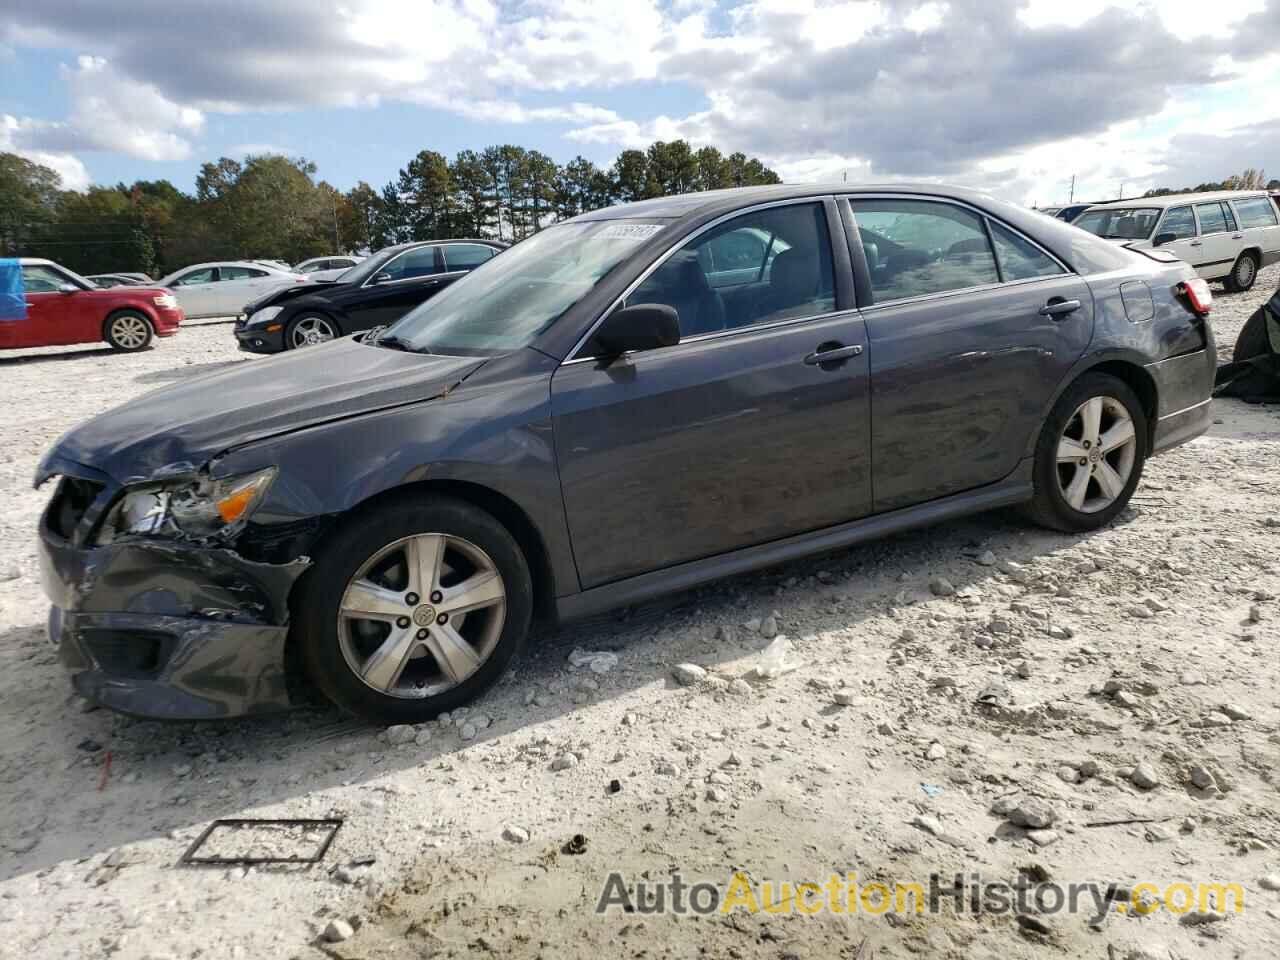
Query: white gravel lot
(875, 756)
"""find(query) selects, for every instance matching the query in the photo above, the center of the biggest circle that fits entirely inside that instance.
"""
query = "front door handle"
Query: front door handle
(1196, 243)
(832, 353)
(1057, 307)
(1237, 236)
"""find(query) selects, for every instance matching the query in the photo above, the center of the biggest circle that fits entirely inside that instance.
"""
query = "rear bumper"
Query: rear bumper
(1184, 386)
(168, 630)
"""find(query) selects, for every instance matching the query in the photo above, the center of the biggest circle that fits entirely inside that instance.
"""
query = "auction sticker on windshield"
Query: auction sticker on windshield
(627, 231)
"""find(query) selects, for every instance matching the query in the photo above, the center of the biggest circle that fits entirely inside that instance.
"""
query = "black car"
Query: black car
(375, 292)
(629, 403)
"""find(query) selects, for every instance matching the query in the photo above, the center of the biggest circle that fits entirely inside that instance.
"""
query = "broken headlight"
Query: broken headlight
(197, 509)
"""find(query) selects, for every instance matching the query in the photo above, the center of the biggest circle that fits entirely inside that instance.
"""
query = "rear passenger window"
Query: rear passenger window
(918, 247)
(1212, 219)
(1179, 222)
(1020, 259)
(1256, 212)
(466, 256)
(769, 265)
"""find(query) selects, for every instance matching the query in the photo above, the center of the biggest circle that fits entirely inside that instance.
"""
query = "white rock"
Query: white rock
(666, 768)
(597, 661)
(740, 688)
(338, 930)
(688, 674)
(1270, 882)
(566, 761)
(775, 660)
(1144, 777)
(468, 731)
(515, 834)
(941, 587)
(769, 628)
(401, 733)
(844, 698)
(987, 558)
(936, 751)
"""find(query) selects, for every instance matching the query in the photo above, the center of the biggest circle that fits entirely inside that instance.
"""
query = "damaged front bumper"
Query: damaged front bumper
(157, 628)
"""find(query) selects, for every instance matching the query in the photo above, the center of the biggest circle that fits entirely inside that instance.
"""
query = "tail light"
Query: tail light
(1197, 293)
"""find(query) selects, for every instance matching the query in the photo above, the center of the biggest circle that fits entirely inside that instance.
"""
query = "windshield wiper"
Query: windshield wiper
(399, 343)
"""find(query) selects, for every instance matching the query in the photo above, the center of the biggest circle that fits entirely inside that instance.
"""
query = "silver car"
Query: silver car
(222, 289)
(327, 264)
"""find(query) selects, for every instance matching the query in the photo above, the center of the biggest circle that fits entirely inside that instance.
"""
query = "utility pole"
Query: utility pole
(1071, 198)
(337, 243)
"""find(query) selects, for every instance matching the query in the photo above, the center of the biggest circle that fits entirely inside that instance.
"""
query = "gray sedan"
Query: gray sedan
(630, 403)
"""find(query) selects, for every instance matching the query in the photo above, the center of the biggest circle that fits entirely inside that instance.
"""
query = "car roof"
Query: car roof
(1179, 199)
(683, 205)
(256, 264)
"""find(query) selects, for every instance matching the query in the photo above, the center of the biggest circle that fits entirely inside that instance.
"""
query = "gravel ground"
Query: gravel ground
(1126, 675)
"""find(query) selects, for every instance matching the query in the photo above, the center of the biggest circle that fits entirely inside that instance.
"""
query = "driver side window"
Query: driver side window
(764, 266)
(918, 247)
(1179, 222)
(38, 279)
(414, 263)
(208, 275)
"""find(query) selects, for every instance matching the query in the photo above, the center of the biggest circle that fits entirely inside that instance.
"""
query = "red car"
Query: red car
(64, 308)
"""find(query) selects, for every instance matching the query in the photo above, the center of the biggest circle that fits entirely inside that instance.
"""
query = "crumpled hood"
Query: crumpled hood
(178, 429)
(286, 294)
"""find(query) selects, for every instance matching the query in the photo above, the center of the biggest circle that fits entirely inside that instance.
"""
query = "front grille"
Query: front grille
(71, 500)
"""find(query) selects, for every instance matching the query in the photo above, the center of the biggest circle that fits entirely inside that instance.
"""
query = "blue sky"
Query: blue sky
(1010, 95)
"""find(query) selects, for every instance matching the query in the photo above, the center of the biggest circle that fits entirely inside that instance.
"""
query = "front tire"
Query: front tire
(1089, 456)
(128, 332)
(1242, 275)
(413, 609)
(308, 330)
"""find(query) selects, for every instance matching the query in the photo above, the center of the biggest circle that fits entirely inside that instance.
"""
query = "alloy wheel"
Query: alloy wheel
(422, 615)
(1096, 454)
(1245, 272)
(129, 332)
(311, 330)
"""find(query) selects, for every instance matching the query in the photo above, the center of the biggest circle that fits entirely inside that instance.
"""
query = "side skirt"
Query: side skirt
(1015, 488)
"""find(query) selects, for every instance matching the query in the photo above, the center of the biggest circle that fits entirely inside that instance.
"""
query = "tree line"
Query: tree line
(274, 207)
(1250, 179)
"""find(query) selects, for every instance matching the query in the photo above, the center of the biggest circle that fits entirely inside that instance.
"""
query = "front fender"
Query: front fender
(493, 430)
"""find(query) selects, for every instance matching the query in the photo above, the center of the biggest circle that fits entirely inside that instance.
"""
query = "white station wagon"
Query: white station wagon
(1228, 235)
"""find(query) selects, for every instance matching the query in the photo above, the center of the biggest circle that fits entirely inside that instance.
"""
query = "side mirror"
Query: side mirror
(382, 278)
(1163, 238)
(68, 288)
(644, 326)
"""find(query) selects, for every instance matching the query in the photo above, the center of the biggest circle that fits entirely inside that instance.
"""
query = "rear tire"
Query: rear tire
(1253, 340)
(128, 331)
(1085, 473)
(1243, 274)
(406, 666)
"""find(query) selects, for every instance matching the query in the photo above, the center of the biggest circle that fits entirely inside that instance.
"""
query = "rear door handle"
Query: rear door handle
(1237, 236)
(1196, 243)
(832, 354)
(1059, 308)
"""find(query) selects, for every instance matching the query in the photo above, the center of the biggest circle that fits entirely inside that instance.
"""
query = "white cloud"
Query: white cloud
(1016, 94)
(111, 112)
(68, 166)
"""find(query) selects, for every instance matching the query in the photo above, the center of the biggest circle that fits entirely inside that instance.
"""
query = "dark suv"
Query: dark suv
(632, 402)
(375, 292)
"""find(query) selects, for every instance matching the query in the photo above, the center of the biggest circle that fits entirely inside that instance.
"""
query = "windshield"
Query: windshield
(1131, 224)
(367, 267)
(505, 303)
